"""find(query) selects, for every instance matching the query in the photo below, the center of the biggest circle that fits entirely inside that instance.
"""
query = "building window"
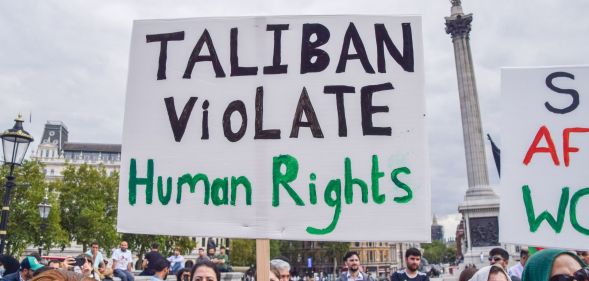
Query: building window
(52, 172)
(357, 244)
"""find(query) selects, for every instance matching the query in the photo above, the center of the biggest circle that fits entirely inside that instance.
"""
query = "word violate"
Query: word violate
(285, 170)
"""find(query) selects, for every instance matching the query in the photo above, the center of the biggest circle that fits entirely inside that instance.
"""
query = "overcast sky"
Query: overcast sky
(68, 60)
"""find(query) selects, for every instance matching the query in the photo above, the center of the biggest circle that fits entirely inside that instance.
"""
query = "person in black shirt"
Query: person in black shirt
(150, 259)
(411, 273)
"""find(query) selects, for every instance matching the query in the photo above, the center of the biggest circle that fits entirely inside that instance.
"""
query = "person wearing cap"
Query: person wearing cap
(27, 267)
(162, 268)
(555, 265)
(202, 255)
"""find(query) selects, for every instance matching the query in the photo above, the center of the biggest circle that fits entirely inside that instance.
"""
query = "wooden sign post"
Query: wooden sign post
(262, 259)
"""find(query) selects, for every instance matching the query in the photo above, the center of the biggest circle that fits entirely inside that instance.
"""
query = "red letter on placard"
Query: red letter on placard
(566, 144)
(542, 133)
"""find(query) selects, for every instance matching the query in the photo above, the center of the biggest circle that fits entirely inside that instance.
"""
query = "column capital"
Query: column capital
(458, 26)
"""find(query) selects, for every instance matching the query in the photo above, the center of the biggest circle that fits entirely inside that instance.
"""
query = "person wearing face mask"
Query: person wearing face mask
(8, 265)
(27, 268)
(122, 261)
(555, 265)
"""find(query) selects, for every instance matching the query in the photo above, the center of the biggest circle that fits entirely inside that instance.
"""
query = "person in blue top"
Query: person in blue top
(411, 272)
(97, 257)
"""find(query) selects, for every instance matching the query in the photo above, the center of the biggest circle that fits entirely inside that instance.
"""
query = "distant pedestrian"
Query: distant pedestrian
(122, 261)
(517, 270)
(412, 259)
(352, 262)
(176, 261)
(202, 255)
(222, 260)
(150, 259)
(96, 255)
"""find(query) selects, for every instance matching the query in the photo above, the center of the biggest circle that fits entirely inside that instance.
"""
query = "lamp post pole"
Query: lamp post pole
(5, 208)
(44, 209)
(15, 142)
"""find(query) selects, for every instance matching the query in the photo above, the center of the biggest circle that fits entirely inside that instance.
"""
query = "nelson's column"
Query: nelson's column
(480, 208)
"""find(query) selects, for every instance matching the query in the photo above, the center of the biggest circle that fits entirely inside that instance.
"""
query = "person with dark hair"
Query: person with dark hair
(9, 263)
(205, 271)
(188, 264)
(176, 261)
(122, 260)
(183, 274)
(555, 265)
(411, 273)
(515, 272)
(352, 261)
(97, 257)
(500, 257)
(162, 268)
(26, 270)
(202, 256)
(150, 259)
(222, 260)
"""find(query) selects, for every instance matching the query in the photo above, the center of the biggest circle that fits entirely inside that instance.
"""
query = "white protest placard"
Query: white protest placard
(288, 127)
(545, 155)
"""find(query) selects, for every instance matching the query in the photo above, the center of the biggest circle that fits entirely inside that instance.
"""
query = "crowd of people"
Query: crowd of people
(93, 266)
(544, 265)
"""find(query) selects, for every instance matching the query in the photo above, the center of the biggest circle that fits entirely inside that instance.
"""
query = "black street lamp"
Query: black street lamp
(44, 209)
(15, 142)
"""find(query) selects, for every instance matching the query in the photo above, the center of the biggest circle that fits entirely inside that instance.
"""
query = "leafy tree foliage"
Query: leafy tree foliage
(438, 252)
(88, 198)
(243, 252)
(24, 222)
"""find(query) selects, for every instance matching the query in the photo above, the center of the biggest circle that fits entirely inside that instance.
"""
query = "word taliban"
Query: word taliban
(219, 190)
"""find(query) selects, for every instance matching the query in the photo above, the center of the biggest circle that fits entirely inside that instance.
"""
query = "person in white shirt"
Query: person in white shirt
(176, 260)
(122, 261)
(515, 272)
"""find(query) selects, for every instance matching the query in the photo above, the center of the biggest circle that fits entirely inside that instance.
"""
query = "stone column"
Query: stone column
(458, 25)
(480, 208)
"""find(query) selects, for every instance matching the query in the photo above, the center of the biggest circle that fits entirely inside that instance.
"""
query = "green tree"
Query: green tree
(24, 223)
(243, 252)
(335, 251)
(438, 252)
(89, 205)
